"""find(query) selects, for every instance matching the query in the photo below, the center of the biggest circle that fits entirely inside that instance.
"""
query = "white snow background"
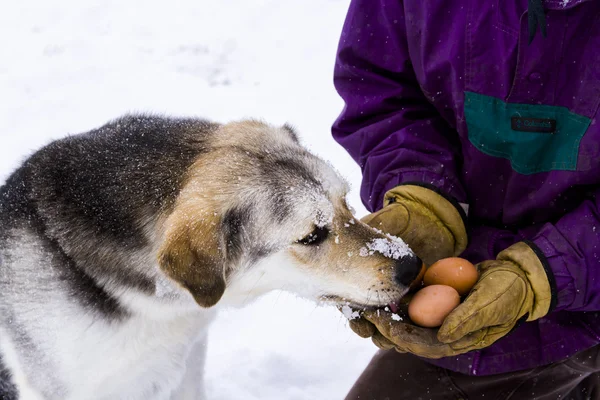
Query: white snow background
(67, 66)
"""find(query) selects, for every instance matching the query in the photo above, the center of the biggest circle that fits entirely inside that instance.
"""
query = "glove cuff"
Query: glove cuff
(535, 266)
(445, 211)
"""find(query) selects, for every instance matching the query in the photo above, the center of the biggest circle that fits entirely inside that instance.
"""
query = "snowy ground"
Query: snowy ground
(68, 66)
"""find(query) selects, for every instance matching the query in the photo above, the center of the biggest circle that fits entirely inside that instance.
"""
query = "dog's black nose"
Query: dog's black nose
(407, 269)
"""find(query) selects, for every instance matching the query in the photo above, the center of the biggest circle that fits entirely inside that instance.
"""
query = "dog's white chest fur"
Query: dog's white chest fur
(71, 354)
(141, 360)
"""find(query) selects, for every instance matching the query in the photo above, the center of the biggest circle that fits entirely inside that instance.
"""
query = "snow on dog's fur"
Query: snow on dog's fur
(117, 247)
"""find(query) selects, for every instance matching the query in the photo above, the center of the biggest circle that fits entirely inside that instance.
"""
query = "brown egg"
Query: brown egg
(454, 271)
(432, 304)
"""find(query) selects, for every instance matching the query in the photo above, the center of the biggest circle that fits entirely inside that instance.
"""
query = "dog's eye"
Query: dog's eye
(315, 237)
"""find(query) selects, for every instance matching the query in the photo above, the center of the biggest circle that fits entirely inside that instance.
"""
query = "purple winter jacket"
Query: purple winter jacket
(451, 94)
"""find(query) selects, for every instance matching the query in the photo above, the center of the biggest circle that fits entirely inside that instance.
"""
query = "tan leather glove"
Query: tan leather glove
(431, 225)
(511, 288)
(515, 285)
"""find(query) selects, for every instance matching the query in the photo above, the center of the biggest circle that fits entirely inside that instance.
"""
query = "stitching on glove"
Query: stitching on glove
(471, 316)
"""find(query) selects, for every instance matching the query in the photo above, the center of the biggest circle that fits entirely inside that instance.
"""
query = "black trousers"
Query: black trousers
(393, 376)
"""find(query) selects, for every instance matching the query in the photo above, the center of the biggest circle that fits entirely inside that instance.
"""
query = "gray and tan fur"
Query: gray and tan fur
(117, 246)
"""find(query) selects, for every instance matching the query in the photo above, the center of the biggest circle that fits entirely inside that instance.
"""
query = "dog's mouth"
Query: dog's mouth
(341, 301)
(397, 303)
(394, 306)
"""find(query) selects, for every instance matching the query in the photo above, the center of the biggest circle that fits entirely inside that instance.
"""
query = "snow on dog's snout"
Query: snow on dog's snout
(390, 247)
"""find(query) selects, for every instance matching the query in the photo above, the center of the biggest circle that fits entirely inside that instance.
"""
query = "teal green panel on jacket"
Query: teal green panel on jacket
(489, 129)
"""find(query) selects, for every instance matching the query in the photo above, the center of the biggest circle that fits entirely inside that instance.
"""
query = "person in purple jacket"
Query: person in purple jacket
(476, 127)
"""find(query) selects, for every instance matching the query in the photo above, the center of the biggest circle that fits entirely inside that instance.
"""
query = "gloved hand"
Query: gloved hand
(388, 333)
(516, 285)
(431, 225)
(511, 288)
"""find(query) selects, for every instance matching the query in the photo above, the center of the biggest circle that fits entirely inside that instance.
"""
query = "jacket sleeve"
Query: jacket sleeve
(387, 124)
(571, 247)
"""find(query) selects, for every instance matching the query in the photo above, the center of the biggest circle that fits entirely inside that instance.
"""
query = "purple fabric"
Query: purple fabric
(403, 69)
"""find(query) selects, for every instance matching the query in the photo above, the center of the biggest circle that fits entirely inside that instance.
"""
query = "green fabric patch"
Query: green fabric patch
(489, 129)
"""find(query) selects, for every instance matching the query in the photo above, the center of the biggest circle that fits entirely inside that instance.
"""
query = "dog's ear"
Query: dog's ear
(292, 132)
(191, 255)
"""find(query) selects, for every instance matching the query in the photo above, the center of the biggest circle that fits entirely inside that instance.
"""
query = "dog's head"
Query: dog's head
(258, 212)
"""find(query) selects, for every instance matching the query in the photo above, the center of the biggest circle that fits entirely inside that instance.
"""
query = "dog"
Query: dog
(118, 246)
